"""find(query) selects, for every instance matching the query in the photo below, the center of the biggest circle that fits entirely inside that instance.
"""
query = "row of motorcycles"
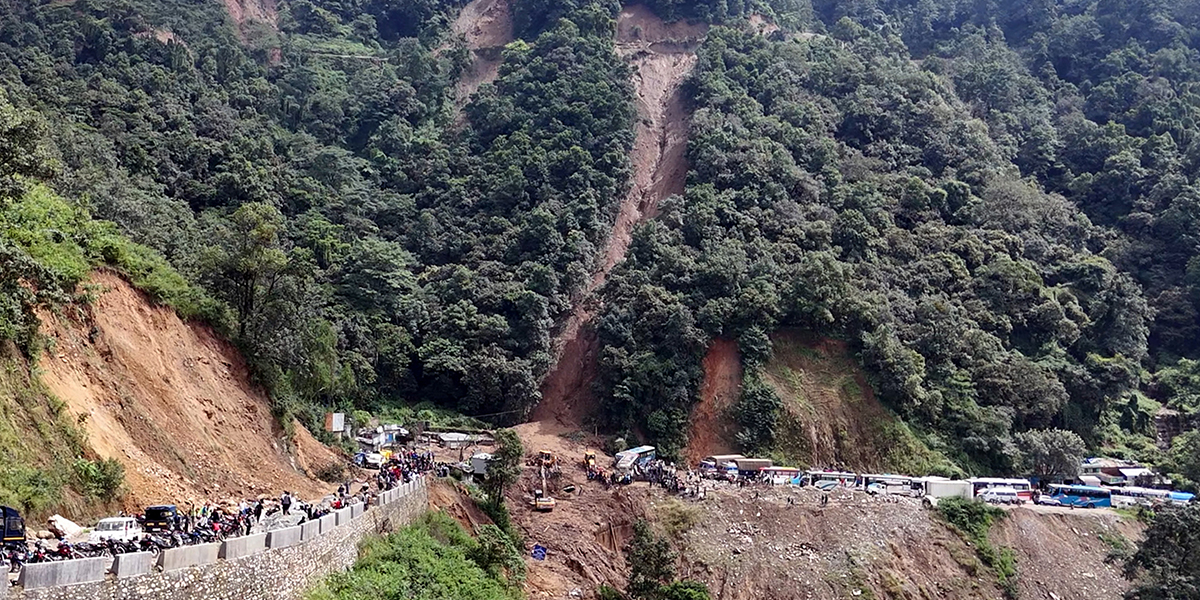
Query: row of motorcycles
(16, 555)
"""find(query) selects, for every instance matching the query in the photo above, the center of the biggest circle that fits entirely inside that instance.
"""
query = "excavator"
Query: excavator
(546, 462)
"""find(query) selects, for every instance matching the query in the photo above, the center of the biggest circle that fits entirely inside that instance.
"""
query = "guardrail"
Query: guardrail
(125, 566)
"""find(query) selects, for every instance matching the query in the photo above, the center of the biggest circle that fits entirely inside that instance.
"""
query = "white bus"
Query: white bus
(888, 484)
(1130, 496)
(1023, 487)
(843, 478)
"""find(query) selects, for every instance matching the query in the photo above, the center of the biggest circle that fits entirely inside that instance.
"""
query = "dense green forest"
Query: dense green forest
(361, 249)
(995, 203)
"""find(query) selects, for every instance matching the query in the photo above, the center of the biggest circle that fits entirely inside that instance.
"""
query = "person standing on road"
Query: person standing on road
(285, 501)
(258, 510)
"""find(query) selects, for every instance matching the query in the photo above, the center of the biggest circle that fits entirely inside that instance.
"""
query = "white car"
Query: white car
(117, 528)
(1000, 495)
(1046, 500)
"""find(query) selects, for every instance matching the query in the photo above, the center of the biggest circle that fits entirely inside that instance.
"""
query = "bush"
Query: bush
(334, 472)
(973, 520)
(102, 479)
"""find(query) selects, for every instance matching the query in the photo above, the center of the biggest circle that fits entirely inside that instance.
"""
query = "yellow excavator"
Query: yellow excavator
(542, 502)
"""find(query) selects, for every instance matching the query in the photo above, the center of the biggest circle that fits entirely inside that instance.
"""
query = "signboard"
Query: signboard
(335, 422)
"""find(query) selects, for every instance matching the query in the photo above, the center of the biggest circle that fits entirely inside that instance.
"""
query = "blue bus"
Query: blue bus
(1086, 496)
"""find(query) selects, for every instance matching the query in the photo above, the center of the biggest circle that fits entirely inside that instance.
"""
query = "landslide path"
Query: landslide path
(487, 27)
(663, 55)
(172, 402)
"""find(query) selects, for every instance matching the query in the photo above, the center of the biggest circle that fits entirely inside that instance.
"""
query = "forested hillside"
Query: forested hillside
(360, 249)
(1001, 227)
(994, 204)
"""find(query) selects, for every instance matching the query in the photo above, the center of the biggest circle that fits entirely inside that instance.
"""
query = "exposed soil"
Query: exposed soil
(754, 544)
(662, 55)
(781, 543)
(830, 414)
(173, 403)
(448, 496)
(585, 534)
(487, 27)
(711, 428)
(1065, 554)
(242, 11)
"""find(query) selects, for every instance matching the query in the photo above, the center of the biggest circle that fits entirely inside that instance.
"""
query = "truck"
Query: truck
(932, 489)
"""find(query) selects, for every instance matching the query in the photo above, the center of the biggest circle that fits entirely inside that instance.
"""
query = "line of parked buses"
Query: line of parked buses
(995, 490)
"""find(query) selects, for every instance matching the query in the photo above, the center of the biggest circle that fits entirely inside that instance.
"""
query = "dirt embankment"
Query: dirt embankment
(711, 428)
(830, 415)
(245, 11)
(173, 403)
(662, 55)
(486, 26)
(1065, 556)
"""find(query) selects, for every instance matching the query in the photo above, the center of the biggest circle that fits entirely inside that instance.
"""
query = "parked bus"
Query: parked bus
(781, 475)
(888, 484)
(1087, 496)
(627, 459)
(1024, 489)
(840, 477)
(1130, 496)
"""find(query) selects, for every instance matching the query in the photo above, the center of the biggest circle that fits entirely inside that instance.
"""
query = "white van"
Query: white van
(1000, 495)
(117, 528)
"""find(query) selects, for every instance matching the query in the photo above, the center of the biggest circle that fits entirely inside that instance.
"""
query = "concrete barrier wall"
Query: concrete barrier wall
(188, 556)
(133, 564)
(310, 530)
(283, 538)
(243, 546)
(276, 574)
(343, 516)
(356, 510)
(328, 522)
(68, 572)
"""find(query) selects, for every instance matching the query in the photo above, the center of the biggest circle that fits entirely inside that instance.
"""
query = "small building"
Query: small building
(454, 439)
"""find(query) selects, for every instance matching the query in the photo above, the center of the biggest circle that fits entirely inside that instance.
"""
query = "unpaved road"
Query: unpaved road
(663, 56)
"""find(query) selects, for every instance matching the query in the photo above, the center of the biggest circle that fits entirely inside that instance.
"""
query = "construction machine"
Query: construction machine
(542, 502)
(547, 460)
(589, 460)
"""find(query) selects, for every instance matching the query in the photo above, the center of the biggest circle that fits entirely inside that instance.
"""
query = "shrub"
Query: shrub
(102, 479)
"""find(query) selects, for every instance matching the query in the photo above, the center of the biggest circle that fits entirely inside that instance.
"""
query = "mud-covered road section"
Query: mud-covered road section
(662, 55)
(487, 27)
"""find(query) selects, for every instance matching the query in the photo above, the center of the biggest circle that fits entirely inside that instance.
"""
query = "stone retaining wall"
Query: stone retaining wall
(274, 574)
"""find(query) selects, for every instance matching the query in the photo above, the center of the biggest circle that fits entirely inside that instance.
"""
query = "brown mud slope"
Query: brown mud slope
(486, 25)
(1064, 552)
(244, 11)
(712, 428)
(584, 535)
(173, 403)
(755, 545)
(446, 495)
(830, 415)
(662, 55)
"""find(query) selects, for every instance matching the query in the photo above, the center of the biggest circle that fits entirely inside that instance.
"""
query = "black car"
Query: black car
(14, 526)
(159, 519)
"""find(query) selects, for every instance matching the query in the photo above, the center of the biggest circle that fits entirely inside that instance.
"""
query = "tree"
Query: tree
(23, 150)
(505, 467)
(652, 563)
(1049, 453)
(1167, 565)
(248, 261)
(1185, 457)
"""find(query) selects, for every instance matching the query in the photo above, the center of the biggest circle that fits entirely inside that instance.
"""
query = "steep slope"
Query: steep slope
(487, 27)
(711, 428)
(830, 415)
(172, 402)
(662, 55)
